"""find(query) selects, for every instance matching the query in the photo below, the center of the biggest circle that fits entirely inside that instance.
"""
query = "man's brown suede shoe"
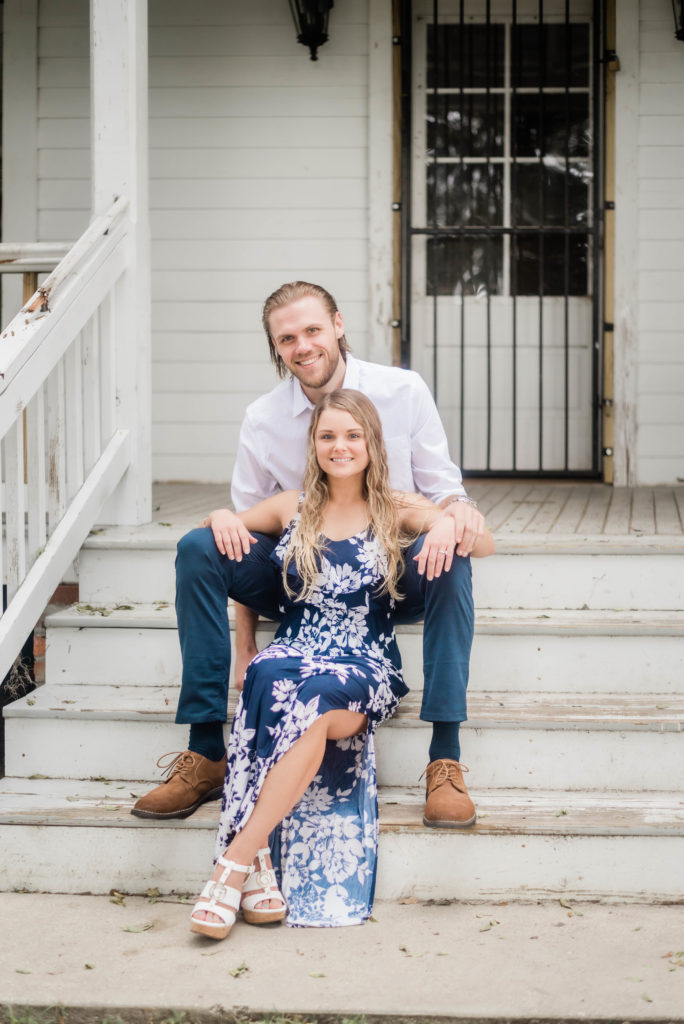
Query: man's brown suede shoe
(447, 804)
(192, 781)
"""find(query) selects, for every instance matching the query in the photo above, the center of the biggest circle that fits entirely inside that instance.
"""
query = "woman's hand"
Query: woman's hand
(437, 552)
(230, 533)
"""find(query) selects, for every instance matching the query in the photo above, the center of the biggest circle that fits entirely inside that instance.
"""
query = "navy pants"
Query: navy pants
(205, 579)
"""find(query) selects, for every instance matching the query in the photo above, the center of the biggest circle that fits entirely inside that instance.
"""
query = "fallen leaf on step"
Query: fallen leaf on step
(152, 895)
(39, 776)
(18, 970)
(646, 998)
(316, 974)
(89, 967)
(212, 953)
(73, 799)
(559, 814)
(142, 928)
(237, 971)
(118, 898)
(565, 903)
(408, 899)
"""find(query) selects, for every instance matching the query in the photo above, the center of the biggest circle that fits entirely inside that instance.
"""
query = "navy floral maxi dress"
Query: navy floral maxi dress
(335, 651)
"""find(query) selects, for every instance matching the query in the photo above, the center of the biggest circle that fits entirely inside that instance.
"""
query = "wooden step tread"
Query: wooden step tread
(92, 803)
(164, 536)
(569, 622)
(595, 711)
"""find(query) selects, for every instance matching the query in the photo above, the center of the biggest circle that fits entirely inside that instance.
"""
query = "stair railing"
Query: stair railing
(62, 454)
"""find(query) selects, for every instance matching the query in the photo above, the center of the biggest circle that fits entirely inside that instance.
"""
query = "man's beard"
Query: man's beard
(327, 373)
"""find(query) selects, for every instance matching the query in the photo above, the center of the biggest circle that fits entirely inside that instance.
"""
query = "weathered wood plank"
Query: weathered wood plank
(90, 354)
(666, 513)
(573, 510)
(594, 517)
(643, 511)
(547, 515)
(15, 542)
(618, 517)
(56, 446)
(678, 493)
(74, 417)
(512, 509)
(494, 497)
(36, 475)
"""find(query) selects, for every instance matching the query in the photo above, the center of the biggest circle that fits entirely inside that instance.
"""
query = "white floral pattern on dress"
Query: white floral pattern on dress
(337, 650)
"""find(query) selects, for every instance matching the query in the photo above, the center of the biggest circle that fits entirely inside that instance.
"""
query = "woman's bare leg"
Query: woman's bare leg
(283, 787)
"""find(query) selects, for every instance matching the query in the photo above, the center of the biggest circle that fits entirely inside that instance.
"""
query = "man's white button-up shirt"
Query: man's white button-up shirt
(272, 450)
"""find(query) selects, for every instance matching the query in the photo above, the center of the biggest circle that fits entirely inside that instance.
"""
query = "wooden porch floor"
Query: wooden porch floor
(512, 507)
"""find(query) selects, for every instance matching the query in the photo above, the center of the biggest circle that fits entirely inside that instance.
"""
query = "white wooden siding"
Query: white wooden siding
(660, 389)
(258, 175)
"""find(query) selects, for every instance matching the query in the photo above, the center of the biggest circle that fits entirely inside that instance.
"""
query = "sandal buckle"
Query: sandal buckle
(218, 892)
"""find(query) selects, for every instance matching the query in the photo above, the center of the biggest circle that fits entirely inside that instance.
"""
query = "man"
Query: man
(305, 332)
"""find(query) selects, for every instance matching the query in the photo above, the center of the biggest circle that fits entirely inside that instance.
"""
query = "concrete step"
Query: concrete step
(129, 565)
(517, 650)
(538, 740)
(524, 846)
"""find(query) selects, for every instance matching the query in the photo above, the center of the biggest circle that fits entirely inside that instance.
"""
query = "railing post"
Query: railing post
(119, 167)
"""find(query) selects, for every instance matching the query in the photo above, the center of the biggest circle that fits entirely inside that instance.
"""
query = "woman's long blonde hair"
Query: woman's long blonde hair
(307, 543)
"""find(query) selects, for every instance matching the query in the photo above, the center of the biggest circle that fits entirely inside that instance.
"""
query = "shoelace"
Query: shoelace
(446, 772)
(182, 761)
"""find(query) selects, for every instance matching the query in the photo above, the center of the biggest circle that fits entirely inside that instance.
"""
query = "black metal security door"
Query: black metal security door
(501, 279)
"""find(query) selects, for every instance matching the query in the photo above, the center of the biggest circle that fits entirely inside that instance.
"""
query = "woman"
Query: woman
(301, 751)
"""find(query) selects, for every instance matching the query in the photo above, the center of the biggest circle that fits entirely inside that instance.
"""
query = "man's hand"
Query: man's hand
(230, 533)
(469, 526)
(437, 552)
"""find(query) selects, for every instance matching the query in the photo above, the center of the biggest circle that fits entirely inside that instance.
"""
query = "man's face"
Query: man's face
(307, 341)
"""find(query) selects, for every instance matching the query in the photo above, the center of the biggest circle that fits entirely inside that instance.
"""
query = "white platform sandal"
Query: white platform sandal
(261, 886)
(220, 899)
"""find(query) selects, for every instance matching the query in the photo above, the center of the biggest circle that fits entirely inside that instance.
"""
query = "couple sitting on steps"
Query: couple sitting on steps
(355, 519)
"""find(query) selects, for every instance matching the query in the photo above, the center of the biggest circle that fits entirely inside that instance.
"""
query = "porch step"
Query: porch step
(524, 846)
(531, 740)
(515, 650)
(127, 565)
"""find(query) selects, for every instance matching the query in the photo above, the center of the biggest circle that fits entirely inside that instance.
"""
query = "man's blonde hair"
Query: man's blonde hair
(283, 296)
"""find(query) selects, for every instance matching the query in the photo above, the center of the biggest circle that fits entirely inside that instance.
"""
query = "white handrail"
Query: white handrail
(18, 339)
(63, 453)
(31, 257)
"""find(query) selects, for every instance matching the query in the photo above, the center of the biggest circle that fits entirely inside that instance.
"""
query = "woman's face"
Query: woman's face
(340, 443)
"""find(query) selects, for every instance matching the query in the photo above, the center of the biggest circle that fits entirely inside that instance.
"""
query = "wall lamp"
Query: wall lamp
(678, 12)
(311, 22)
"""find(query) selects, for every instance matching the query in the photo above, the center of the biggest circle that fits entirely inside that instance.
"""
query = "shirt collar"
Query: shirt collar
(300, 403)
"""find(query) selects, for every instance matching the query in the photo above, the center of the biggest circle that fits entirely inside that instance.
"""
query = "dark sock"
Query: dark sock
(206, 738)
(445, 741)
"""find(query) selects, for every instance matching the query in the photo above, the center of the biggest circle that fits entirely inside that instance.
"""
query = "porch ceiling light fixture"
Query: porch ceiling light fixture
(678, 13)
(311, 22)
